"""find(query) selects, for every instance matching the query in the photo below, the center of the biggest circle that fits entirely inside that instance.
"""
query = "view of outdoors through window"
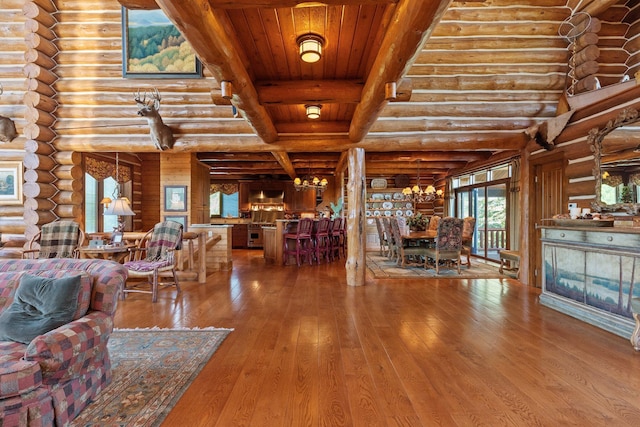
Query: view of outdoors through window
(484, 195)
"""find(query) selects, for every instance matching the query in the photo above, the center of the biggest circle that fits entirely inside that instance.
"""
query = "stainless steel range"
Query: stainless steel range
(254, 236)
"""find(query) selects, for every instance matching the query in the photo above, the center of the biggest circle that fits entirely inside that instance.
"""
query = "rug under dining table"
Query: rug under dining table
(381, 267)
(151, 370)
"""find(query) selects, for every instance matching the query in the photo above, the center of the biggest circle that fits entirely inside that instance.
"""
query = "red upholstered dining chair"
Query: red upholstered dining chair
(299, 242)
(154, 256)
(321, 240)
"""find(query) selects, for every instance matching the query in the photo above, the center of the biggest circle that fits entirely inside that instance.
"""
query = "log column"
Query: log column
(356, 233)
(53, 186)
(583, 63)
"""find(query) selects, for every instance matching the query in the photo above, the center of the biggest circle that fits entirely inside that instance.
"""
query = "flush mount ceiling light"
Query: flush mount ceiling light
(313, 111)
(310, 47)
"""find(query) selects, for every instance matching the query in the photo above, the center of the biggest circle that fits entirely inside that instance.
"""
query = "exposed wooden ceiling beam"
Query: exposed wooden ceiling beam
(413, 156)
(139, 4)
(413, 22)
(285, 162)
(342, 163)
(316, 127)
(210, 35)
(306, 91)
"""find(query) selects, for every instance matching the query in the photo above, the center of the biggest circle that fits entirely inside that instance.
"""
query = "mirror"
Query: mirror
(617, 166)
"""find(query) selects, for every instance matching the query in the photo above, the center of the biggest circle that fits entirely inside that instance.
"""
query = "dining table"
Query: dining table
(413, 237)
(415, 243)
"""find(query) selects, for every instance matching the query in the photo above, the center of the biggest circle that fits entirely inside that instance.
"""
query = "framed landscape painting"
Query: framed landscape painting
(152, 47)
(10, 183)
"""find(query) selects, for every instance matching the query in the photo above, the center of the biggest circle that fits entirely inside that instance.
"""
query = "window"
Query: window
(224, 205)
(94, 192)
(484, 195)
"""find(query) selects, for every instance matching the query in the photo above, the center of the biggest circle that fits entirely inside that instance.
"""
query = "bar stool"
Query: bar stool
(335, 236)
(321, 240)
(301, 243)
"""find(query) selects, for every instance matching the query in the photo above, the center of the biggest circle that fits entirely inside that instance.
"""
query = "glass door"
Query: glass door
(488, 203)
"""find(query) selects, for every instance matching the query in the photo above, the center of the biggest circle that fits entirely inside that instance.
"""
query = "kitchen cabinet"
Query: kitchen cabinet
(387, 202)
(239, 236)
(299, 201)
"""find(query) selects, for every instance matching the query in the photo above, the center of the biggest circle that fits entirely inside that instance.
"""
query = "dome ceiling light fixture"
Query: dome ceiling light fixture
(310, 47)
(313, 111)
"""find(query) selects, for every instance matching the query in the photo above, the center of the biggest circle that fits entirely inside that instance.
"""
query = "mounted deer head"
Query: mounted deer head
(161, 134)
(7, 127)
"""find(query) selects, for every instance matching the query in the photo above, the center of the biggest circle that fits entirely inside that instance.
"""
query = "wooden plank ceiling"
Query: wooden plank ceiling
(471, 77)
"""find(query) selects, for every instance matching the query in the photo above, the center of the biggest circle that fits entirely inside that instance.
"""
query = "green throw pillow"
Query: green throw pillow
(40, 305)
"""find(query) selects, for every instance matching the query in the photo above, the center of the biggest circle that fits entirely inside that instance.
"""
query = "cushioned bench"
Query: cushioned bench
(509, 261)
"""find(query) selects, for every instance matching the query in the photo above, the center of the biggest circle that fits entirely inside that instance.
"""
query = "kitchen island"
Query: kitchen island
(273, 238)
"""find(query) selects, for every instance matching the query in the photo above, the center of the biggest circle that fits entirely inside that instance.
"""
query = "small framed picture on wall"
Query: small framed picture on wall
(175, 198)
(181, 219)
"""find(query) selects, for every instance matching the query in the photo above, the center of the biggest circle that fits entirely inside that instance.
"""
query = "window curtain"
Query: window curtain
(101, 169)
(612, 180)
(223, 188)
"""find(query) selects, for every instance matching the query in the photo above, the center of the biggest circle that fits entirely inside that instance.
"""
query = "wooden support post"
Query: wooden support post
(356, 235)
(202, 257)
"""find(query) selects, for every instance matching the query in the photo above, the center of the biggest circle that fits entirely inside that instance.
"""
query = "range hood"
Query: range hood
(266, 197)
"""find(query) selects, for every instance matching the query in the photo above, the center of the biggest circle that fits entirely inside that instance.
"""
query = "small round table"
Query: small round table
(113, 253)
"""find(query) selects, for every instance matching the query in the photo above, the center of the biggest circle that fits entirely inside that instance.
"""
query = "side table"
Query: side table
(113, 253)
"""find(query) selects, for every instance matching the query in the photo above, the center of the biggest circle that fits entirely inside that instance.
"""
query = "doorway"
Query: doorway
(488, 203)
(548, 199)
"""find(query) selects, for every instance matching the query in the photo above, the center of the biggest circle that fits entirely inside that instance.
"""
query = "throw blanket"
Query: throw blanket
(166, 236)
(59, 239)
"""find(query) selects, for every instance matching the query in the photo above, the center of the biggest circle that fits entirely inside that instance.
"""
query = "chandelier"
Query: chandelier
(309, 182)
(417, 195)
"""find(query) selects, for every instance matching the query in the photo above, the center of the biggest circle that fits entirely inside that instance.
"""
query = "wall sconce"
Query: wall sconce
(310, 47)
(313, 111)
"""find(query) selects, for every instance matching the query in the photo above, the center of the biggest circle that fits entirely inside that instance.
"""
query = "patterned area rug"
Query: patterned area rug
(382, 267)
(151, 370)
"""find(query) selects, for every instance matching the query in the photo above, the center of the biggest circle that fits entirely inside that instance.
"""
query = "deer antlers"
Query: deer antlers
(153, 102)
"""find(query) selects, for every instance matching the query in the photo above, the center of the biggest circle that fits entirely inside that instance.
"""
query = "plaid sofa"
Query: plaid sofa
(49, 381)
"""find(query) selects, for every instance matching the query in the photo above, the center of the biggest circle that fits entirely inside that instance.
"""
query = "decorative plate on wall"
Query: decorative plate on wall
(378, 183)
(402, 181)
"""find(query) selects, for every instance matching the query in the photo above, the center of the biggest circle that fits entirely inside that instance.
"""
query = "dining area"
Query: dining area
(438, 243)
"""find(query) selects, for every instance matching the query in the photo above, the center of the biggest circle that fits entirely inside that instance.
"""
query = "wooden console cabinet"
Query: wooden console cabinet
(592, 273)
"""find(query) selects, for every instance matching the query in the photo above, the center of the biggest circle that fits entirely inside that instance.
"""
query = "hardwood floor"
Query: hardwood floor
(308, 350)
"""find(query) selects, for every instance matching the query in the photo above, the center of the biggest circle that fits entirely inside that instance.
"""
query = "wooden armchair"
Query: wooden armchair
(58, 239)
(155, 256)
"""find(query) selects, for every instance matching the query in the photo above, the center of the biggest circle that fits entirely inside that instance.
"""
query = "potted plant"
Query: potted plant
(418, 222)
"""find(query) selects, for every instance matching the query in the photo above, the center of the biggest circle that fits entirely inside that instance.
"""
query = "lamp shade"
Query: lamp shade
(313, 112)
(120, 207)
(310, 47)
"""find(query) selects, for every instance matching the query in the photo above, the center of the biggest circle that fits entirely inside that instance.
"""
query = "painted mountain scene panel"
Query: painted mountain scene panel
(603, 280)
